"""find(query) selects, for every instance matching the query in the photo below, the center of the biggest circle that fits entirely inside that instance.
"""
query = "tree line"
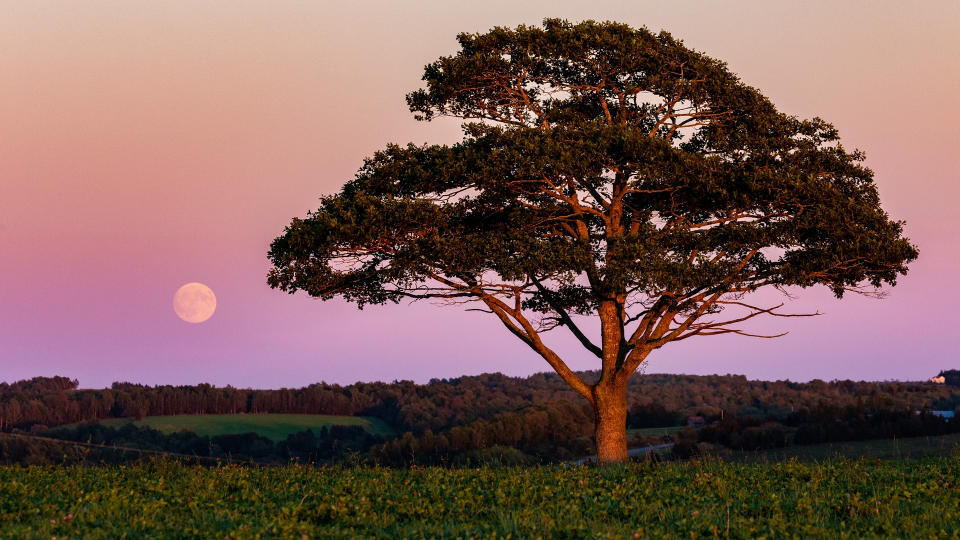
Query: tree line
(654, 400)
(820, 424)
(104, 444)
(473, 420)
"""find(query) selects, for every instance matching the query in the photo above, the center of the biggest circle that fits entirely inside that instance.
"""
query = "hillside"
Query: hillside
(467, 420)
(655, 399)
(276, 427)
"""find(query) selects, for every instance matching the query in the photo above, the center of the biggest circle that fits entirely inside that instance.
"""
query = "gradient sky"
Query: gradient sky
(147, 145)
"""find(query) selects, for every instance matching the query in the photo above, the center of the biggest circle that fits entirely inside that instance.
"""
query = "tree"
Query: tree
(605, 172)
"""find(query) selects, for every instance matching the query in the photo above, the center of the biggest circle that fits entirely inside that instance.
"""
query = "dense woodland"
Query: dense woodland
(469, 419)
(444, 403)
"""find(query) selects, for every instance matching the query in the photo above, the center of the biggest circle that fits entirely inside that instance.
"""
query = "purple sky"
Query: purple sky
(147, 145)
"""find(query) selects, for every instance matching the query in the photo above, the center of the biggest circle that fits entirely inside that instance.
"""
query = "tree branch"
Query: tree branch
(530, 336)
(567, 321)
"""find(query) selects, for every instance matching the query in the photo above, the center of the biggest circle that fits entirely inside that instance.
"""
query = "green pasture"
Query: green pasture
(912, 447)
(654, 431)
(272, 426)
(165, 499)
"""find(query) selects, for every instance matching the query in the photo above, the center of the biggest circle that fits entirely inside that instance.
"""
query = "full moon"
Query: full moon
(194, 302)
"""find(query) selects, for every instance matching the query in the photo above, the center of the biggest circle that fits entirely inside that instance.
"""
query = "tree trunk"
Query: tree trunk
(610, 412)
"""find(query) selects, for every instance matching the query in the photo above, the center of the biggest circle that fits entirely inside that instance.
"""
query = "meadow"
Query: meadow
(654, 431)
(902, 448)
(272, 426)
(165, 499)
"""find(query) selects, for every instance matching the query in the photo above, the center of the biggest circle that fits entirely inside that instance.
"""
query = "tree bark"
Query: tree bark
(610, 412)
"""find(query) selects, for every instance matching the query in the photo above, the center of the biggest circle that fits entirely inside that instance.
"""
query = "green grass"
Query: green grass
(654, 431)
(164, 499)
(272, 426)
(913, 447)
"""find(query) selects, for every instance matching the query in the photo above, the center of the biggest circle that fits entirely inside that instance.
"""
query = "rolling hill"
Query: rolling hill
(272, 426)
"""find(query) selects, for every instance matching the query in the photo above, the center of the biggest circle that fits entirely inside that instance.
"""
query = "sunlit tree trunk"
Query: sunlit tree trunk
(610, 413)
(610, 392)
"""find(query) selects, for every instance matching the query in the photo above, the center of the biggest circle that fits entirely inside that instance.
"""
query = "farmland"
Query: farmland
(654, 432)
(838, 499)
(272, 426)
(911, 447)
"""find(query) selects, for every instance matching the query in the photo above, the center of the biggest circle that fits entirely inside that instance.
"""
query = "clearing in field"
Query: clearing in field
(272, 426)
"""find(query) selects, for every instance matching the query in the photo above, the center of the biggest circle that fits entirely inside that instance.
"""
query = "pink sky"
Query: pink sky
(147, 145)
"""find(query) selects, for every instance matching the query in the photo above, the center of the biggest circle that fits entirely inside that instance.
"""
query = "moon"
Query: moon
(194, 302)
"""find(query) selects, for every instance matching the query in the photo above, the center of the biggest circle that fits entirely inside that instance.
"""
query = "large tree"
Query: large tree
(604, 172)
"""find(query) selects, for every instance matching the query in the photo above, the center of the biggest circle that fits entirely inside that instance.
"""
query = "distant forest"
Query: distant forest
(518, 418)
(655, 400)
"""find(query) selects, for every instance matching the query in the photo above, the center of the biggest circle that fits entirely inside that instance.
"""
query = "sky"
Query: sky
(145, 145)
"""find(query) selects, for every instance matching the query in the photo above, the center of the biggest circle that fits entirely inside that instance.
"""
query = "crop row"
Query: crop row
(165, 499)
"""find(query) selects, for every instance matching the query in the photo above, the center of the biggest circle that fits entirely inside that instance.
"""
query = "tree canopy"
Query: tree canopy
(604, 171)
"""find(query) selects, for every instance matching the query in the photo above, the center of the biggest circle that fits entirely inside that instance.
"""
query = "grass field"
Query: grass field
(272, 426)
(654, 431)
(843, 499)
(913, 447)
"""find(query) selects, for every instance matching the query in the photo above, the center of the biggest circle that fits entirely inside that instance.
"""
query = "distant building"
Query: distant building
(950, 377)
(938, 380)
(695, 421)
